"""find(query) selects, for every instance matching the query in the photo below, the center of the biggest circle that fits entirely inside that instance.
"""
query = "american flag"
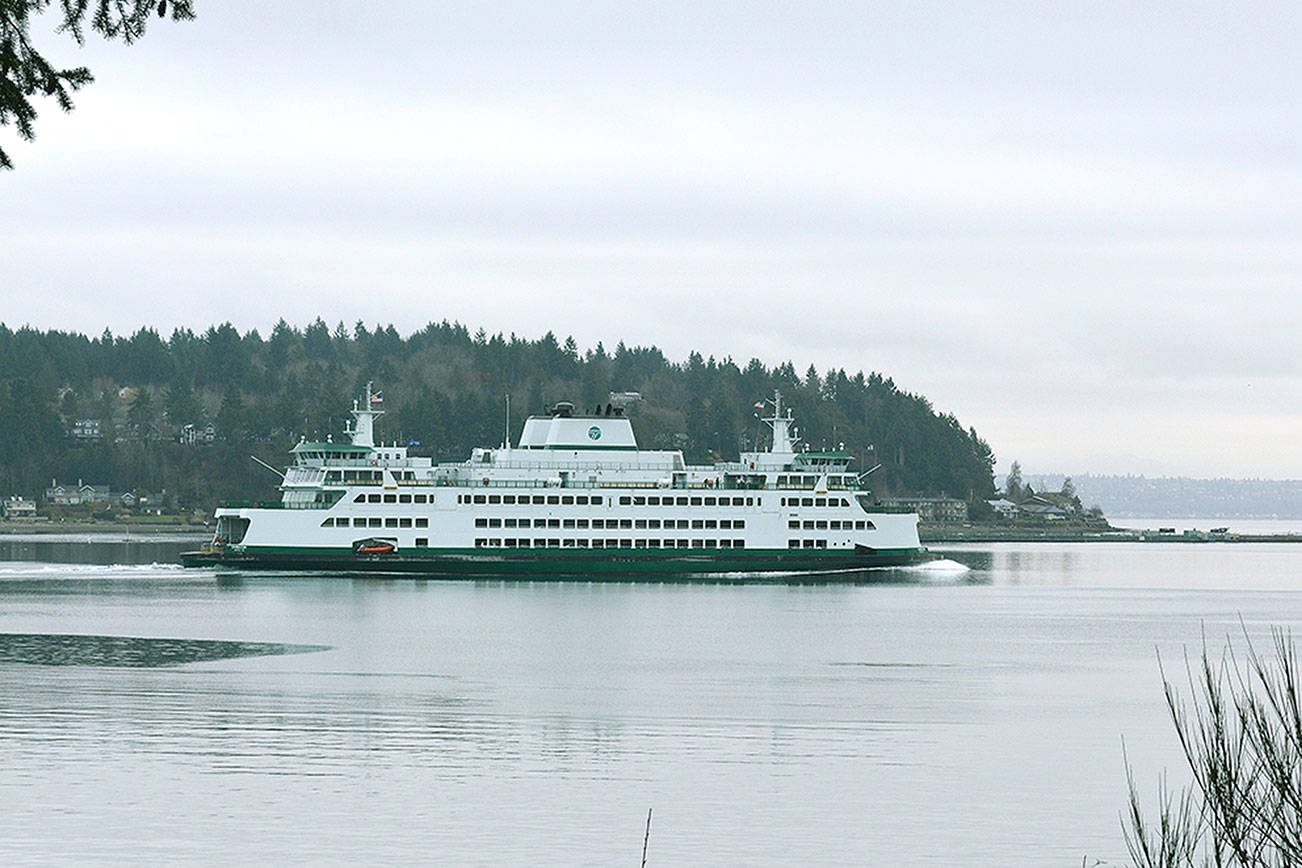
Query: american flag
(759, 405)
(377, 398)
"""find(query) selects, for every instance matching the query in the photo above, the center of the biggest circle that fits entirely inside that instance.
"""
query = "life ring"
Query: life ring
(709, 483)
(485, 480)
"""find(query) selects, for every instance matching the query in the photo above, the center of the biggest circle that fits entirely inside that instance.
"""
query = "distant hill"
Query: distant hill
(112, 410)
(1182, 497)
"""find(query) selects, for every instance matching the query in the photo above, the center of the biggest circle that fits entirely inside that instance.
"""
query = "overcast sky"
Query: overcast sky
(1079, 229)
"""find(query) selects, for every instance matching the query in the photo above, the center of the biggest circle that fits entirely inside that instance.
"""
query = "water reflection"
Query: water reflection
(55, 649)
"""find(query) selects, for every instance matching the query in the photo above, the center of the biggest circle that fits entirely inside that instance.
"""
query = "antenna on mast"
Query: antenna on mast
(506, 426)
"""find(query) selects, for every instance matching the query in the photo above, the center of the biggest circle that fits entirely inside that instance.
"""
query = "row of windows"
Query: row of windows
(393, 498)
(523, 543)
(347, 476)
(807, 544)
(343, 521)
(668, 500)
(550, 499)
(831, 525)
(815, 501)
(620, 523)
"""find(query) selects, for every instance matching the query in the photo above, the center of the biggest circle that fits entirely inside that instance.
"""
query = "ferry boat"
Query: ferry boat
(576, 497)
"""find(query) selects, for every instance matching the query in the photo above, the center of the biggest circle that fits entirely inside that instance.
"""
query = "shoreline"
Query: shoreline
(10, 527)
(977, 533)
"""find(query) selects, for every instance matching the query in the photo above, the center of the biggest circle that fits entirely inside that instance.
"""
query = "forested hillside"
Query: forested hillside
(443, 388)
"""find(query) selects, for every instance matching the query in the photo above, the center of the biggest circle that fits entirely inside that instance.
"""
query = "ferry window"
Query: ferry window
(653, 501)
(390, 522)
(682, 501)
(404, 498)
(710, 524)
(596, 500)
(374, 522)
(582, 523)
(820, 501)
(329, 522)
(422, 542)
(750, 501)
(697, 524)
(793, 543)
(391, 498)
(793, 525)
(508, 543)
(809, 544)
(653, 543)
(709, 501)
(698, 543)
(479, 498)
(639, 544)
(494, 498)
(739, 544)
(553, 522)
(495, 542)
(640, 523)
(537, 498)
(582, 543)
(598, 544)
(821, 525)
(567, 500)
(494, 522)
(372, 498)
(822, 543)
(625, 501)
(420, 498)
(653, 523)
(404, 522)
(569, 543)
(553, 499)
(834, 525)
(359, 522)
(696, 501)
(540, 543)
(422, 522)
(612, 543)
(809, 525)
(481, 522)
(598, 523)
(806, 501)
(845, 502)
(684, 543)
(361, 498)
(725, 543)
(626, 543)
(738, 523)
(540, 522)
(480, 543)
(625, 523)
(508, 498)
(725, 523)
(682, 524)
(581, 500)
(569, 522)
(871, 526)
(639, 501)
(508, 522)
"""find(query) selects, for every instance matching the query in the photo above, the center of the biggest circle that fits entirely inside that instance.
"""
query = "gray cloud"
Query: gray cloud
(1078, 229)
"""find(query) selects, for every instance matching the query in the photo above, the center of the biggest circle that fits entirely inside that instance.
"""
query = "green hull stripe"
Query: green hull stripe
(529, 563)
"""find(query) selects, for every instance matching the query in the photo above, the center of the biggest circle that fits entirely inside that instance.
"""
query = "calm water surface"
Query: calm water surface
(971, 713)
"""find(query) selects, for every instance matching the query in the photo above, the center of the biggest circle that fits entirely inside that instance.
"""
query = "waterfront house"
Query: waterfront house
(16, 507)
